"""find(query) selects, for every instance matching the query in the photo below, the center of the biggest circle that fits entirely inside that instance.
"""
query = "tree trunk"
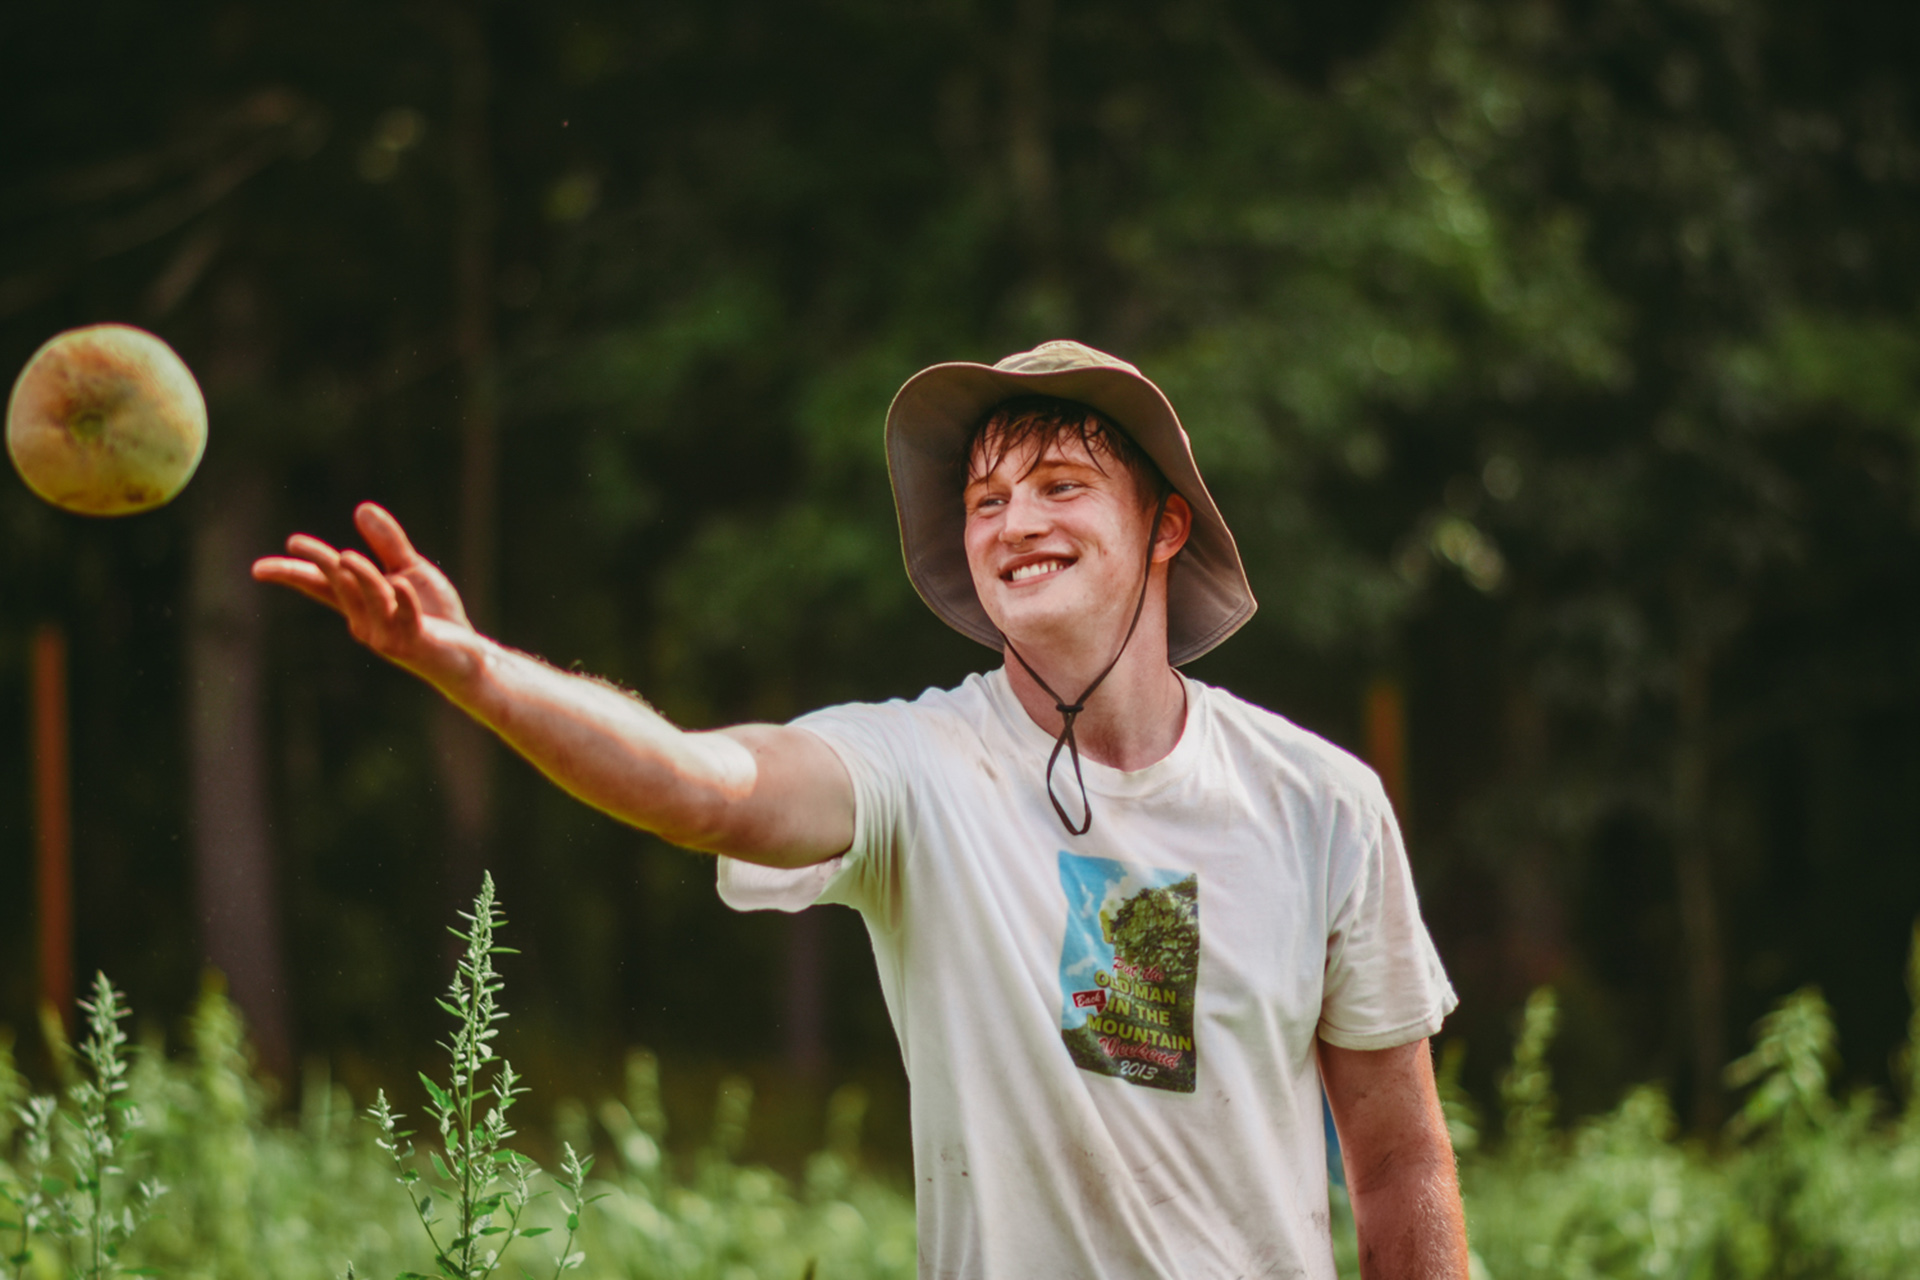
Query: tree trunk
(804, 1017)
(1385, 724)
(52, 823)
(1536, 935)
(465, 753)
(1029, 130)
(1693, 868)
(232, 827)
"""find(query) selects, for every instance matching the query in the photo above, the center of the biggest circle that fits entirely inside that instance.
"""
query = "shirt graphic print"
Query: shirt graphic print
(1128, 964)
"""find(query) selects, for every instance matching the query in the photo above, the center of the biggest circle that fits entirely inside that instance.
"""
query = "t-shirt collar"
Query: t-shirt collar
(1031, 740)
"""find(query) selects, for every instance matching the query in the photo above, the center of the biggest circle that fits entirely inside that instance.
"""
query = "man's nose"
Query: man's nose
(1025, 518)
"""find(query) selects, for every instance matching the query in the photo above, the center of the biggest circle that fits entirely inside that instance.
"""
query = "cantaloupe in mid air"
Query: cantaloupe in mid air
(106, 421)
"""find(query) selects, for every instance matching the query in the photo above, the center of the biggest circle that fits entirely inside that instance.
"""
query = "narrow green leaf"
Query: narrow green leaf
(434, 1091)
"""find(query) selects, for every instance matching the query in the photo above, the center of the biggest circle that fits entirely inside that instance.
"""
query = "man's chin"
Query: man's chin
(1037, 628)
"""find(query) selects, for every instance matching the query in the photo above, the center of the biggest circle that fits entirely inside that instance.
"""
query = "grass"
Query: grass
(1802, 1184)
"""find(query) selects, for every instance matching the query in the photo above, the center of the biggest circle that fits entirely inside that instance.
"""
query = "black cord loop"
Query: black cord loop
(1070, 711)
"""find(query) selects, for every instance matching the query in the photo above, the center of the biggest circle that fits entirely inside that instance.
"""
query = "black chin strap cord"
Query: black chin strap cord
(1070, 711)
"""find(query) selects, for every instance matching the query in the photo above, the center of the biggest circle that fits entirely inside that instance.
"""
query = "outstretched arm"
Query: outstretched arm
(1399, 1162)
(763, 792)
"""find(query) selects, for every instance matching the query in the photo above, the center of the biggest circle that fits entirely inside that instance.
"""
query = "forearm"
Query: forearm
(603, 746)
(1399, 1162)
(1408, 1217)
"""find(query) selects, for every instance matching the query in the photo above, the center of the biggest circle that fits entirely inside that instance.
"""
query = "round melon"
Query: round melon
(106, 421)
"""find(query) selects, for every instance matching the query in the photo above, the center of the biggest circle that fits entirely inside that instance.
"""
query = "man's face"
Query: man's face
(1056, 544)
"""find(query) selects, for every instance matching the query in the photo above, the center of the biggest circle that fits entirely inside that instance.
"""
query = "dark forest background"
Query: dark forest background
(1554, 362)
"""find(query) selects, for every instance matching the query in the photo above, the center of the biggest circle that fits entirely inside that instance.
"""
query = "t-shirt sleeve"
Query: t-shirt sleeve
(873, 742)
(1385, 985)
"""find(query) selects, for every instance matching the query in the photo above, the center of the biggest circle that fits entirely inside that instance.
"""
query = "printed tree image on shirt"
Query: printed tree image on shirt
(1129, 963)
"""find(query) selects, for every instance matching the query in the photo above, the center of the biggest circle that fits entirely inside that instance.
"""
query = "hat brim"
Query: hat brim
(1208, 597)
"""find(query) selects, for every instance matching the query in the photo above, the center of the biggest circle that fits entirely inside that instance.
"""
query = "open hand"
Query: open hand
(405, 609)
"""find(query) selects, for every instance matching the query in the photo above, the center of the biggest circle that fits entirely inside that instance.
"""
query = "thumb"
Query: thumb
(385, 536)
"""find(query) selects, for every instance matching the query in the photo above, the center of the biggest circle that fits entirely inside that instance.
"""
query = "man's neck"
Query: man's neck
(1133, 720)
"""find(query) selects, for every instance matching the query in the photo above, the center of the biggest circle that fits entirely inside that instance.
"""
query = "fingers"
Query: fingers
(353, 600)
(304, 568)
(408, 614)
(372, 584)
(301, 575)
(384, 534)
(342, 580)
(371, 607)
(308, 547)
(384, 610)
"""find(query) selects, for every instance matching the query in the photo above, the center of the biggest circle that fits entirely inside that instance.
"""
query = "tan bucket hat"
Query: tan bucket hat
(1208, 598)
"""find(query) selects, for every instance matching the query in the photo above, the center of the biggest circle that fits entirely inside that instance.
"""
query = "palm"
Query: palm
(438, 599)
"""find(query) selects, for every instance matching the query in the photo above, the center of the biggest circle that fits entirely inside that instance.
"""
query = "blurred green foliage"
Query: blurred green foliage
(254, 1194)
(1802, 1184)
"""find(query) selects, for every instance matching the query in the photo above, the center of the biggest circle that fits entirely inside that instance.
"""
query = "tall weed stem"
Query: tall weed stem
(105, 1117)
(485, 1184)
(29, 1198)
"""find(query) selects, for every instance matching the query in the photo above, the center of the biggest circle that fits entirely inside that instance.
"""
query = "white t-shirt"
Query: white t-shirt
(1110, 1037)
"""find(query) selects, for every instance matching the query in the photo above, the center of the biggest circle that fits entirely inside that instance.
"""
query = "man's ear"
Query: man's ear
(1176, 525)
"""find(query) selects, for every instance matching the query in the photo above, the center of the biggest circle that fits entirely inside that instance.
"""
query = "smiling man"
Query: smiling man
(1128, 926)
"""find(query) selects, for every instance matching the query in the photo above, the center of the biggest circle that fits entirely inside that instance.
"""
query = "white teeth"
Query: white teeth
(1026, 571)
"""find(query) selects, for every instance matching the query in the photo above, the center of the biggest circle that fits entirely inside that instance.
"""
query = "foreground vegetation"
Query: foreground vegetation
(1801, 1184)
(247, 1194)
(174, 1164)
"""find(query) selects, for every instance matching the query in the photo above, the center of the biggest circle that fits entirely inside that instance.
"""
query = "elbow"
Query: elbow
(699, 797)
(701, 834)
(719, 780)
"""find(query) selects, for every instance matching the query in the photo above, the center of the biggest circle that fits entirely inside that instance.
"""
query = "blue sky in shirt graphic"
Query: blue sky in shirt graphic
(1094, 885)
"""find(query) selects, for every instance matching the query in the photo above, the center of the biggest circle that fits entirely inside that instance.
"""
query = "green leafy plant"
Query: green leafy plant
(1787, 1071)
(1526, 1090)
(485, 1184)
(574, 1192)
(1814, 1186)
(1907, 1060)
(98, 1134)
(1801, 1184)
(28, 1196)
(87, 1208)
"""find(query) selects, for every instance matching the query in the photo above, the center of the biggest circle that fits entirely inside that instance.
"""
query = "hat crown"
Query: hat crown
(1060, 356)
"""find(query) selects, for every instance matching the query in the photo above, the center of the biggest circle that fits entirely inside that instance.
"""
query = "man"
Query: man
(1127, 926)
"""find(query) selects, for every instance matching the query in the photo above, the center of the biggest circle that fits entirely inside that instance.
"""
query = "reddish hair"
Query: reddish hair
(1040, 422)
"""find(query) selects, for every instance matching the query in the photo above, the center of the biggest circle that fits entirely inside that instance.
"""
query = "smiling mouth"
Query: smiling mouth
(1039, 569)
